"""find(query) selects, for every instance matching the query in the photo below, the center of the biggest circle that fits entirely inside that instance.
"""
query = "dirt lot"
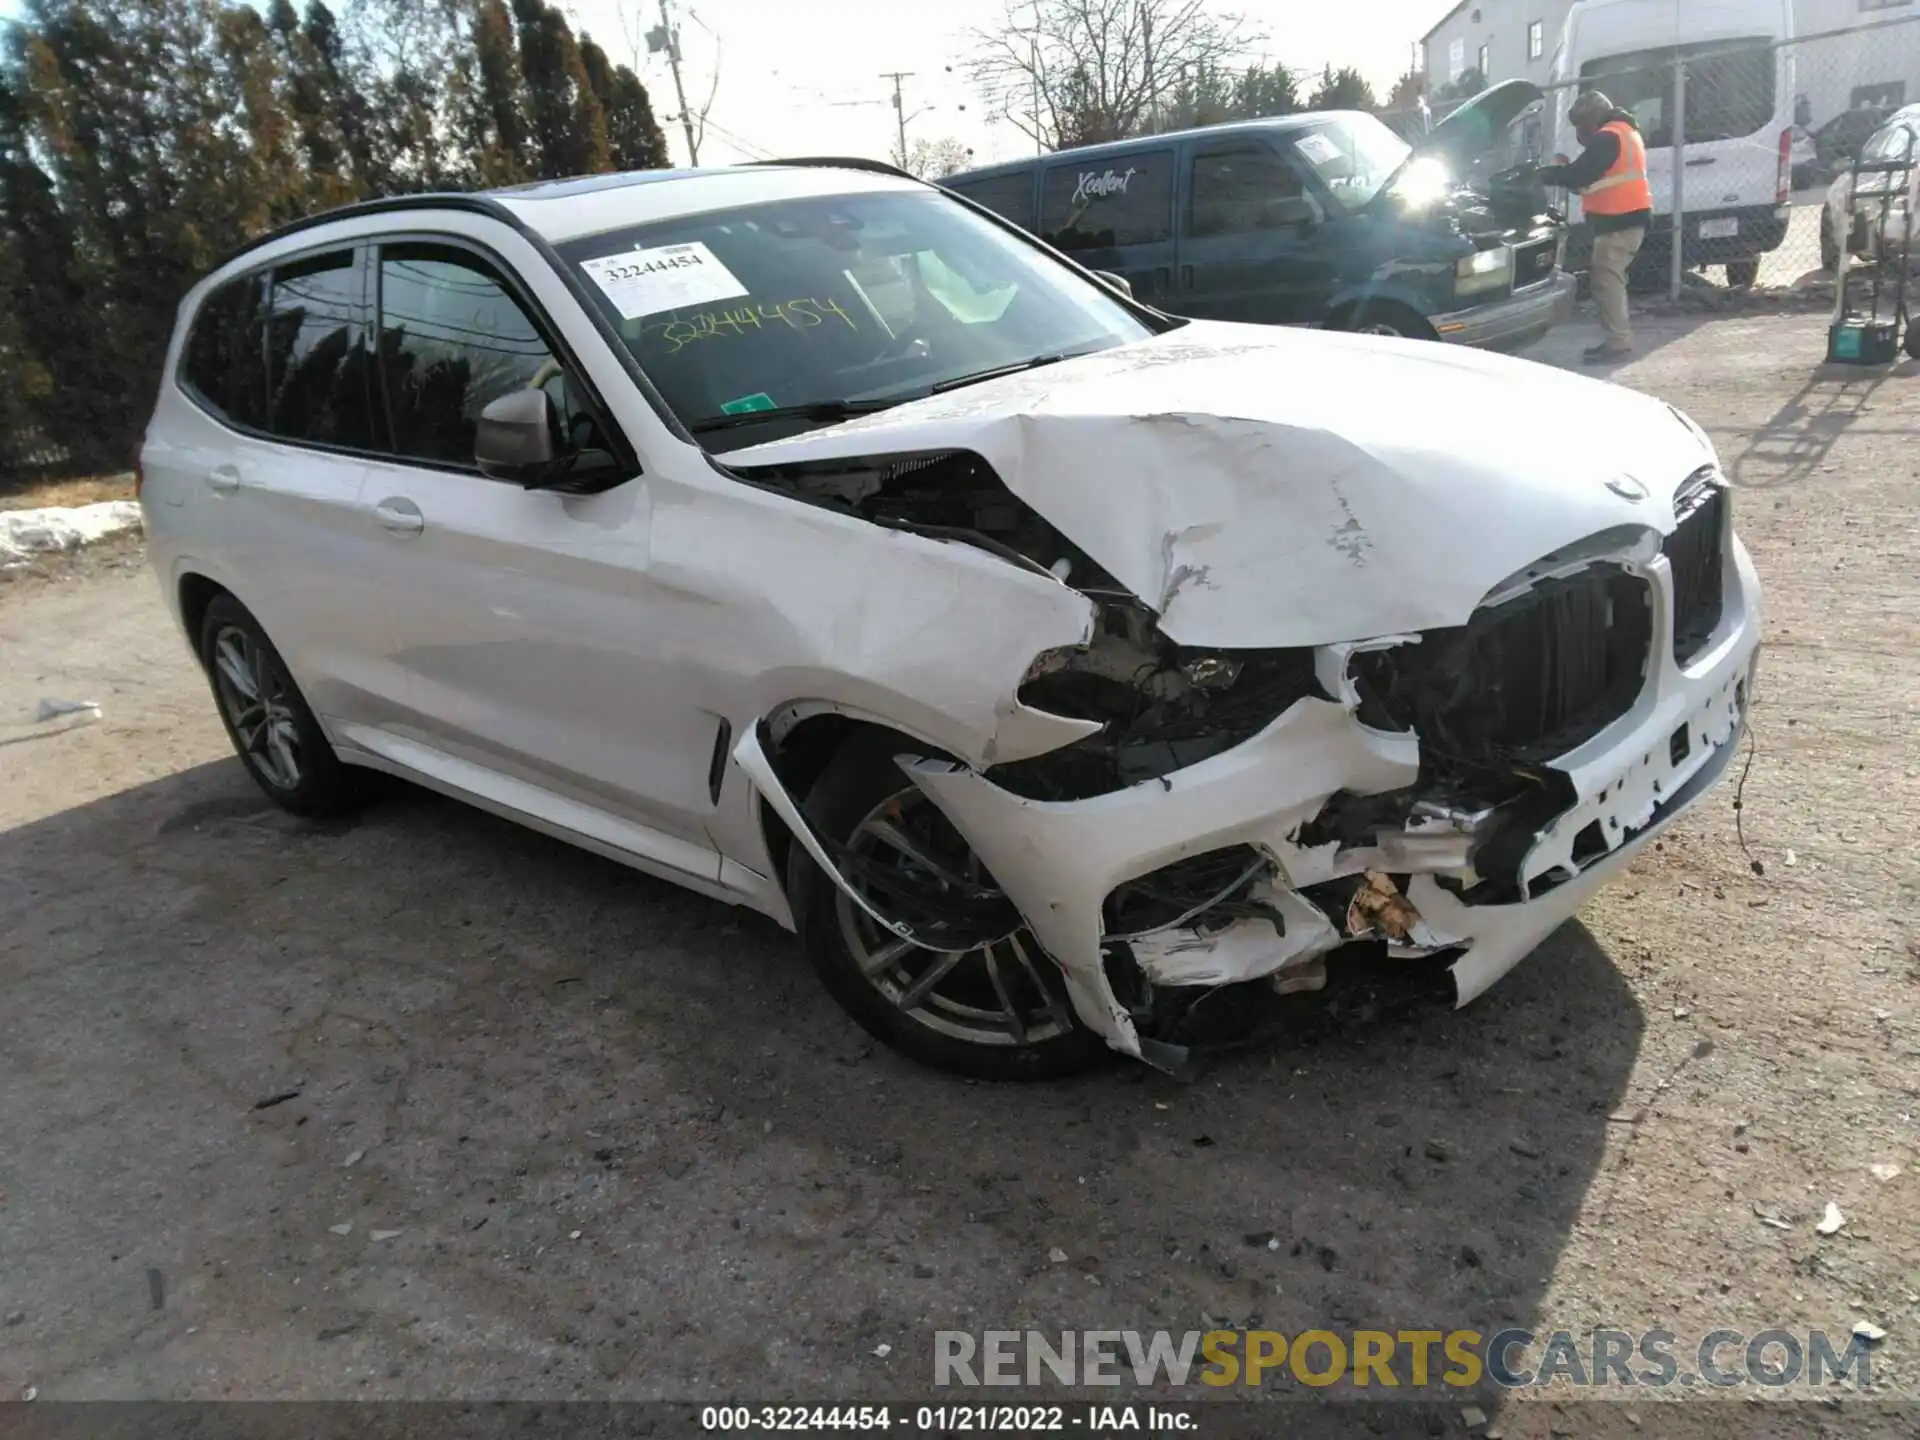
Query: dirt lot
(596, 1136)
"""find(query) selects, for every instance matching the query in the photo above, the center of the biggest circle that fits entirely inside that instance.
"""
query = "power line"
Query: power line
(740, 142)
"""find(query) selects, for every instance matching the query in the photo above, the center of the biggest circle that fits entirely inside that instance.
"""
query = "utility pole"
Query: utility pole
(899, 110)
(668, 38)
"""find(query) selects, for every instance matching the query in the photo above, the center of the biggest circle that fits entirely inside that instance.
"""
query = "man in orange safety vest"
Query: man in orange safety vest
(1610, 175)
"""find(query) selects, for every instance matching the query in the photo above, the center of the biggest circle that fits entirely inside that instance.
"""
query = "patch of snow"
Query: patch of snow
(25, 533)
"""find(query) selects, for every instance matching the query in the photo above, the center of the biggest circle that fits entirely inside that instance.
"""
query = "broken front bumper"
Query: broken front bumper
(1060, 861)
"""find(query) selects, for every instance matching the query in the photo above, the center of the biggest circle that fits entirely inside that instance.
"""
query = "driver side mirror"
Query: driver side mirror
(1118, 282)
(518, 438)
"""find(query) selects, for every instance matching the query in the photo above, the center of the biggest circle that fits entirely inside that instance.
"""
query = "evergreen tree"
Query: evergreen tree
(493, 128)
(1407, 91)
(141, 141)
(1344, 89)
(634, 140)
(1264, 91)
(568, 125)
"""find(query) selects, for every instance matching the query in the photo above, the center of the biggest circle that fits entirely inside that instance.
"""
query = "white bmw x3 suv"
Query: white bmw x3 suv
(811, 537)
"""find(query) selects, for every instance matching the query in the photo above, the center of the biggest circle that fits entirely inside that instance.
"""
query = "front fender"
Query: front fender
(1424, 287)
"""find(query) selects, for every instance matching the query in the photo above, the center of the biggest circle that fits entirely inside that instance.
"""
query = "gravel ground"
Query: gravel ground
(596, 1136)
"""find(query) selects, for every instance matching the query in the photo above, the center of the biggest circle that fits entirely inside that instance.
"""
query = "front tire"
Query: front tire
(1829, 248)
(992, 1010)
(272, 729)
(1741, 274)
(1384, 318)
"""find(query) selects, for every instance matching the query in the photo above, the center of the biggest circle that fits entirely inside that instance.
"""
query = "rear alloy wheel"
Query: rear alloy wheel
(973, 993)
(273, 731)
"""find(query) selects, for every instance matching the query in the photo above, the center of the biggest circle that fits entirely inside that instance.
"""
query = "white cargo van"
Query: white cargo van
(1738, 136)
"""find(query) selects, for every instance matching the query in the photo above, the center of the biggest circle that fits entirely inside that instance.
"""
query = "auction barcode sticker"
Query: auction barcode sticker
(667, 277)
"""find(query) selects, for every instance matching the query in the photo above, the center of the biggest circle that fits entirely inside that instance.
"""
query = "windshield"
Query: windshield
(1894, 143)
(844, 301)
(1354, 155)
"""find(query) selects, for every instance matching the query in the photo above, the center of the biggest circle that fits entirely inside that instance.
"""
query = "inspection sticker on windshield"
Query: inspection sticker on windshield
(1317, 148)
(667, 277)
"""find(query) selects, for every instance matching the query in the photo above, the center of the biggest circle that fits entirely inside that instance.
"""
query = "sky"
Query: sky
(804, 77)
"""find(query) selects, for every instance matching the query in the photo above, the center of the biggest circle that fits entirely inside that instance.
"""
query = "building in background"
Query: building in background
(1501, 39)
(1867, 66)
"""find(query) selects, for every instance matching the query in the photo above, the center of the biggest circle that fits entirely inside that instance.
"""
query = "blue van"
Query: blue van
(1327, 218)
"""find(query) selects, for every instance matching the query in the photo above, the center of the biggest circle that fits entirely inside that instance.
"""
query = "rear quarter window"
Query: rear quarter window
(1109, 203)
(224, 366)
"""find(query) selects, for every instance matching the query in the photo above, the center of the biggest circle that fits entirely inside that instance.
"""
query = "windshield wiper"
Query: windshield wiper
(815, 410)
(997, 371)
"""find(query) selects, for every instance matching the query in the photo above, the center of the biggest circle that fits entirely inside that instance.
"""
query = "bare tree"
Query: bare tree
(932, 159)
(1077, 72)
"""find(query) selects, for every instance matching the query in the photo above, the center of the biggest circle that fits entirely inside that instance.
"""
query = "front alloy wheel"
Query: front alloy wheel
(970, 989)
(977, 982)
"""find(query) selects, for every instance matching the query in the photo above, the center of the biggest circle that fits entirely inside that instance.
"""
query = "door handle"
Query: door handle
(400, 516)
(1700, 160)
(223, 480)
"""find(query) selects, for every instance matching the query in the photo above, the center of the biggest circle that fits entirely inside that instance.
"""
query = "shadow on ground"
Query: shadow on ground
(597, 1135)
(1797, 442)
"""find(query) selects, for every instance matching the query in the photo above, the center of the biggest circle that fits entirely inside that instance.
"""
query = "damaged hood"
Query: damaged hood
(1266, 487)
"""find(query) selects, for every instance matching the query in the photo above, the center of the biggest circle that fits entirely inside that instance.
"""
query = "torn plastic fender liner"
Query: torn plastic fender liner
(751, 756)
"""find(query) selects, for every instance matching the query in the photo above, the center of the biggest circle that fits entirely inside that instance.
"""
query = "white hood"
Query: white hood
(1264, 487)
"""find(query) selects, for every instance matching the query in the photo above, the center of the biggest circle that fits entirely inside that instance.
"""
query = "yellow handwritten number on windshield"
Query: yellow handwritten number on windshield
(802, 313)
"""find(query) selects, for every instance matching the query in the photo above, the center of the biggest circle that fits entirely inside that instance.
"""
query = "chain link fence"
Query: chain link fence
(1750, 153)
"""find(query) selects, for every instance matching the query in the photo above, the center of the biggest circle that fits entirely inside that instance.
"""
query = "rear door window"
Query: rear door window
(1008, 196)
(1730, 88)
(1108, 204)
(316, 358)
(225, 360)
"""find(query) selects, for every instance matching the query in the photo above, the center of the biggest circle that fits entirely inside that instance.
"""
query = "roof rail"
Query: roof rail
(845, 162)
(479, 202)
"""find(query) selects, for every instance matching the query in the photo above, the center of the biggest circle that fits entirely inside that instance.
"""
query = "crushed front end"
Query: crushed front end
(1243, 815)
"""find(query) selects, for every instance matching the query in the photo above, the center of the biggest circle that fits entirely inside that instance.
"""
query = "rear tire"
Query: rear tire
(960, 1021)
(1741, 274)
(273, 730)
(1829, 248)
